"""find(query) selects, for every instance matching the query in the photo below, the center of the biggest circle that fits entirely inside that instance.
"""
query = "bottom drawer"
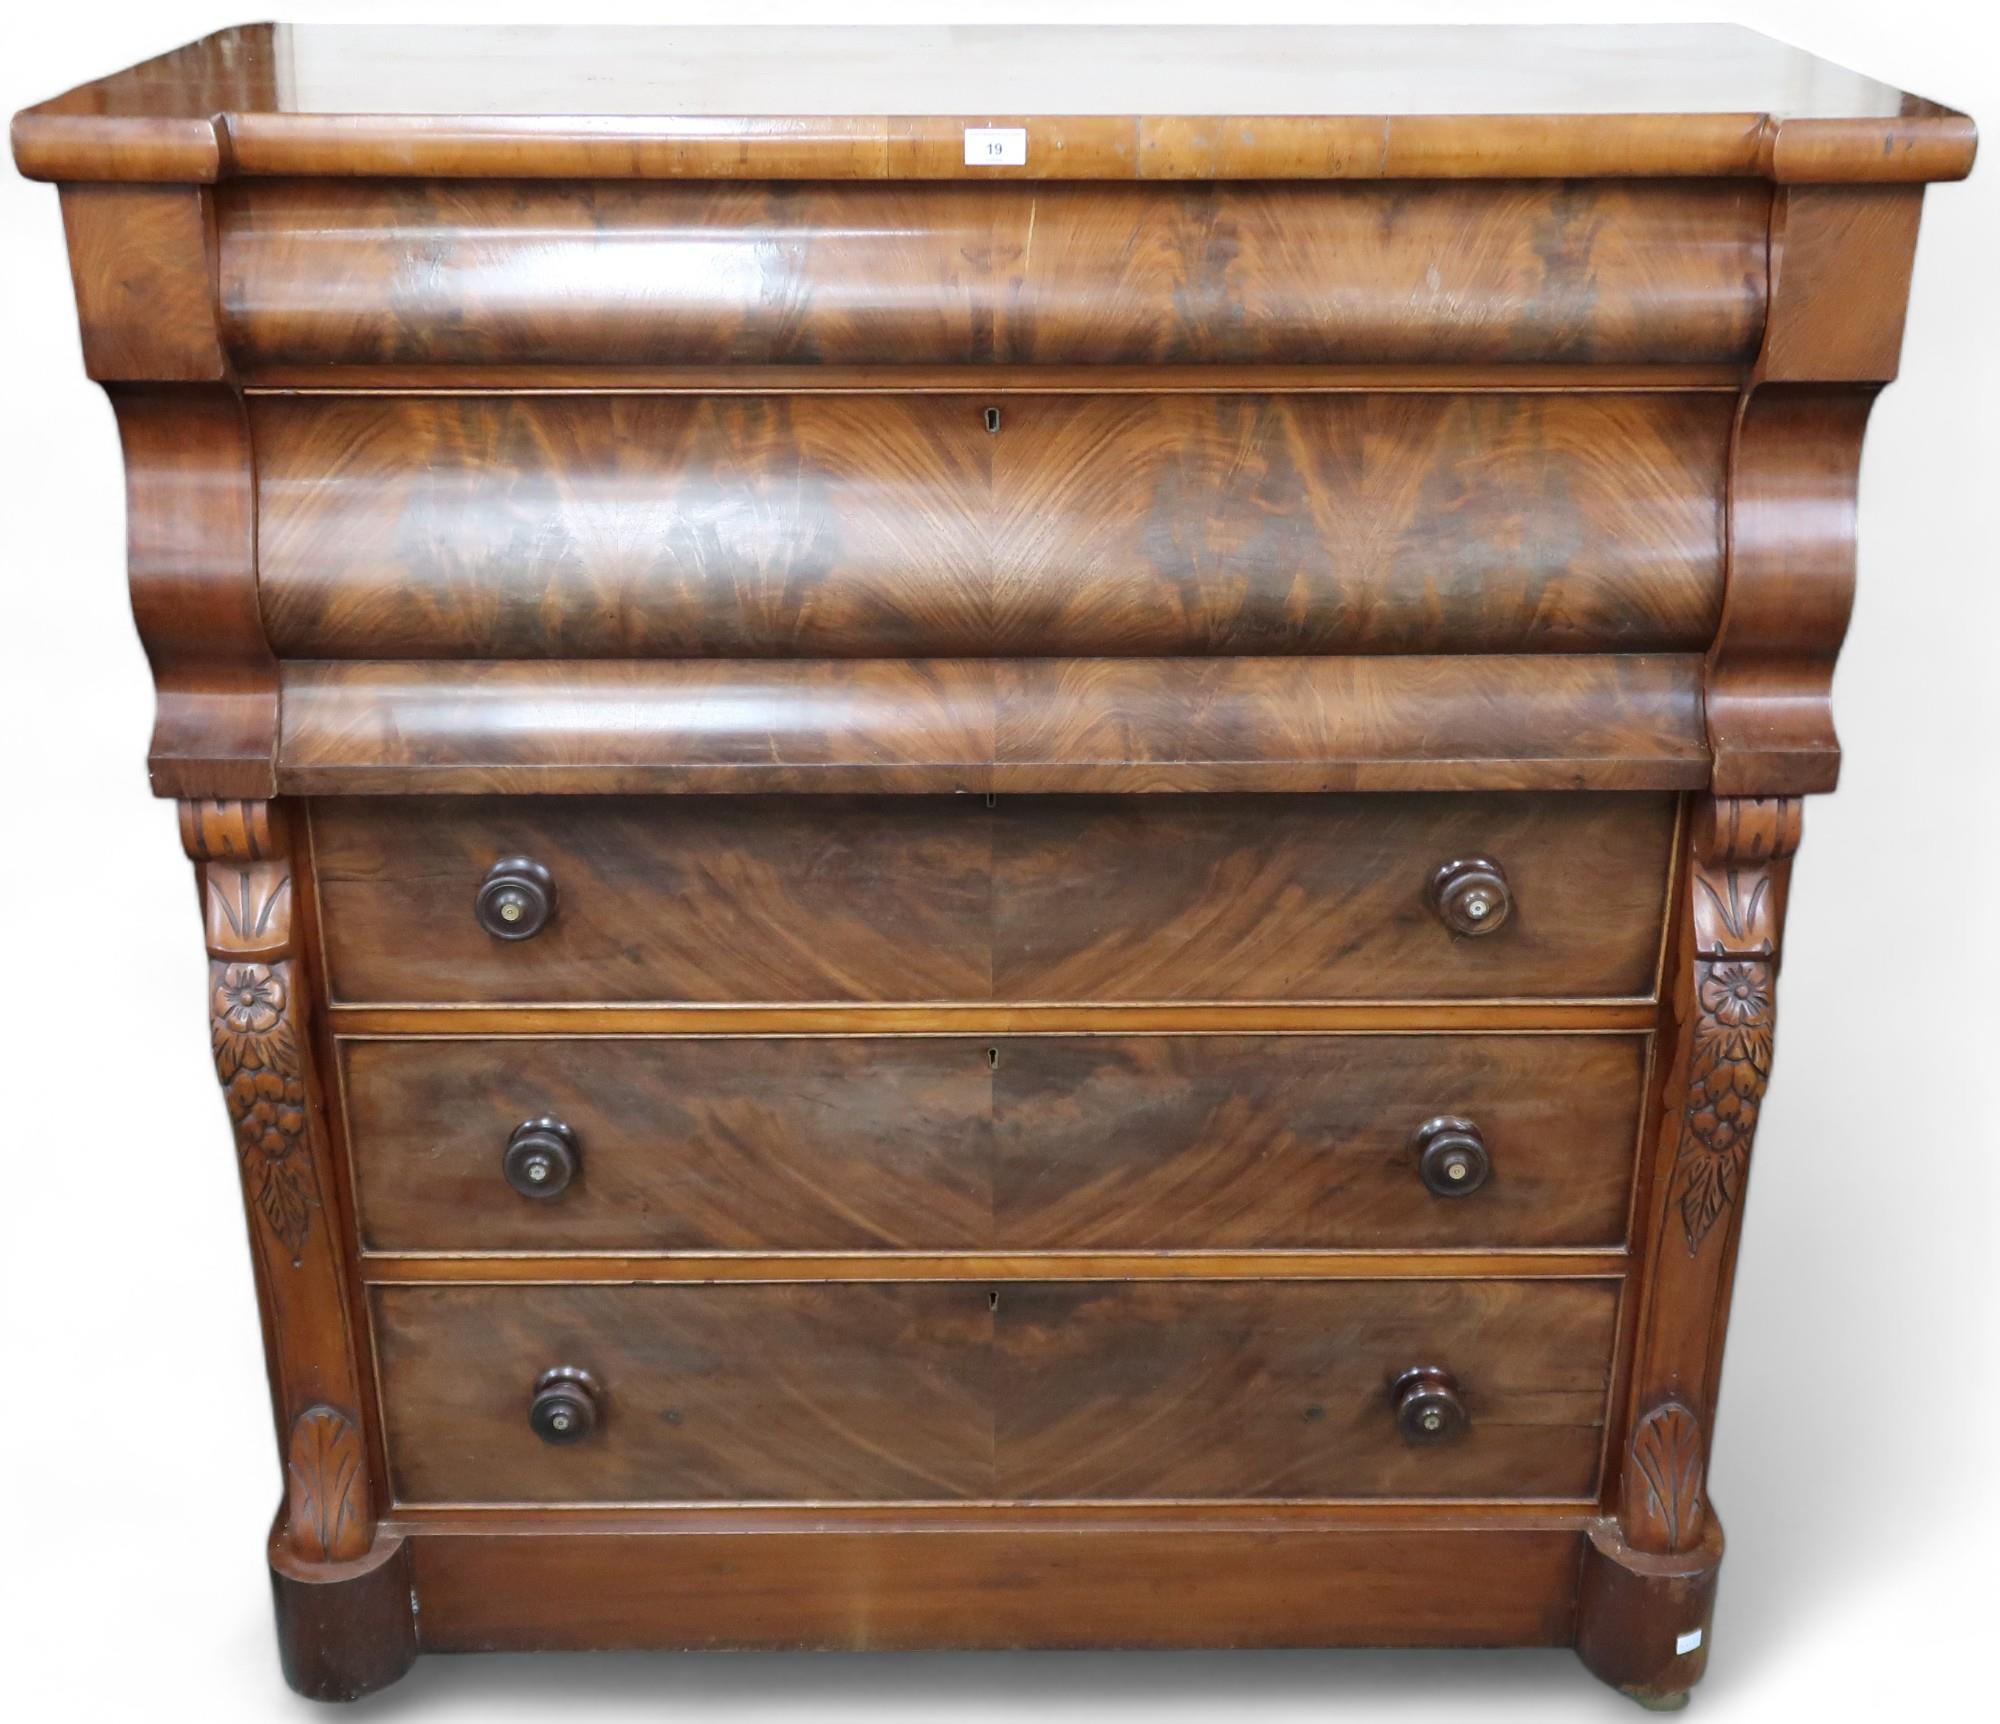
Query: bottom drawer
(956, 1391)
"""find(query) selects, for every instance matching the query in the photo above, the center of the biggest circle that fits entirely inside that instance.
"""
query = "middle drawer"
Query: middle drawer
(948, 1143)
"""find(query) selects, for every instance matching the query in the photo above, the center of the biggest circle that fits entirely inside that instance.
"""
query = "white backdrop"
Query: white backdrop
(1854, 1467)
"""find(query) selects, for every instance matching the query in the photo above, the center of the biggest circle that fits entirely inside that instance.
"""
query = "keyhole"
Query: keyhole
(993, 1058)
(993, 419)
(993, 1301)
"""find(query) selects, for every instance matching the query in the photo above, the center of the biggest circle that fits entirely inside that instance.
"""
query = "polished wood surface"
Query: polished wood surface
(260, 1018)
(999, 1582)
(945, 1391)
(914, 899)
(612, 273)
(817, 526)
(1022, 1143)
(993, 824)
(1299, 723)
(1098, 103)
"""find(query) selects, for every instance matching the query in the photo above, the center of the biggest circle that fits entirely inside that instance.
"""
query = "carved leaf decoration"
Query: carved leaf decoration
(258, 1059)
(249, 908)
(325, 1515)
(1666, 1450)
(1730, 1068)
(1726, 906)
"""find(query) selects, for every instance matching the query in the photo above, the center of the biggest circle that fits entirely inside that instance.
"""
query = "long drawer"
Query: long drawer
(954, 1391)
(636, 274)
(1023, 1143)
(770, 525)
(917, 899)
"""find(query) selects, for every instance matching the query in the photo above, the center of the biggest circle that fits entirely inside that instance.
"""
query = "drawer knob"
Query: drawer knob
(1428, 1409)
(1451, 1156)
(564, 1409)
(541, 1158)
(516, 899)
(1471, 896)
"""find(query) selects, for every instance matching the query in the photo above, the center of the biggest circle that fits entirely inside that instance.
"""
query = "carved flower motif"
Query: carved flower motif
(249, 998)
(1736, 994)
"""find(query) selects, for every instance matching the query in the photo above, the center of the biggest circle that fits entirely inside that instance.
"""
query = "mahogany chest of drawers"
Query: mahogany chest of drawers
(993, 827)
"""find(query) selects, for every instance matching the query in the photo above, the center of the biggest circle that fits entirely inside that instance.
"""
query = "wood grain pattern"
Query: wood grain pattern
(996, 1584)
(774, 1392)
(1795, 467)
(144, 266)
(190, 522)
(938, 1391)
(716, 1268)
(359, 272)
(636, 526)
(1411, 378)
(1269, 1389)
(735, 899)
(1186, 104)
(1643, 1619)
(1820, 330)
(1021, 1143)
(823, 726)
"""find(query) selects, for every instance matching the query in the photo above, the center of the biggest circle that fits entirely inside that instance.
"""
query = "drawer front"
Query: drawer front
(359, 272)
(1219, 1142)
(638, 526)
(913, 899)
(948, 1391)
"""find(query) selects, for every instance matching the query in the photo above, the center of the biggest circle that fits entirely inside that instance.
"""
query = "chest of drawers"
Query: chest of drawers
(993, 828)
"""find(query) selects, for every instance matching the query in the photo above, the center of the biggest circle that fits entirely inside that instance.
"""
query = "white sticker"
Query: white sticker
(1686, 1643)
(996, 146)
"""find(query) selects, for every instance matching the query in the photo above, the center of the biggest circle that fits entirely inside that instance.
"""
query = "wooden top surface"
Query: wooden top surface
(1100, 102)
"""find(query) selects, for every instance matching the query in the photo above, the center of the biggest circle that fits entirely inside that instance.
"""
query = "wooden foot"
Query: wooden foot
(345, 1629)
(1643, 1620)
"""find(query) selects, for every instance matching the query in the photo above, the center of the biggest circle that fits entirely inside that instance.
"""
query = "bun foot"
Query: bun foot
(345, 1629)
(1643, 1620)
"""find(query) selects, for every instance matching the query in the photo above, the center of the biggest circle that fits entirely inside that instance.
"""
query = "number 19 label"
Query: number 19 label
(996, 146)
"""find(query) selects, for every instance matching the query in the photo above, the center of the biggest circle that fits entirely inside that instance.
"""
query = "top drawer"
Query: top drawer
(468, 273)
(753, 899)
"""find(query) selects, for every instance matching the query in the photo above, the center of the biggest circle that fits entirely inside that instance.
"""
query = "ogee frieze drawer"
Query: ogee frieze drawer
(671, 526)
(485, 272)
(752, 899)
(861, 1391)
(1020, 1143)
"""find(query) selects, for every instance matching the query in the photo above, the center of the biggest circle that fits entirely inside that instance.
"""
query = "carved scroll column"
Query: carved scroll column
(1724, 1005)
(263, 1058)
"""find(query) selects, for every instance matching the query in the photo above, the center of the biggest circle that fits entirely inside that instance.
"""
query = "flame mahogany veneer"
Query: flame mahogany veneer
(968, 901)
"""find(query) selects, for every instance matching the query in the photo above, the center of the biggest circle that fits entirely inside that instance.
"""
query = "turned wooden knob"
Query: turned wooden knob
(1471, 896)
(564, 1409)
(516, 899)
(1428, 1409)
(1451, 1156)
(541, 1158)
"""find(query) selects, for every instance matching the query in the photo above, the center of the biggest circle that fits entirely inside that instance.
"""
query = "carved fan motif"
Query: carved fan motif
(1666, 1448)
(324, 1483)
